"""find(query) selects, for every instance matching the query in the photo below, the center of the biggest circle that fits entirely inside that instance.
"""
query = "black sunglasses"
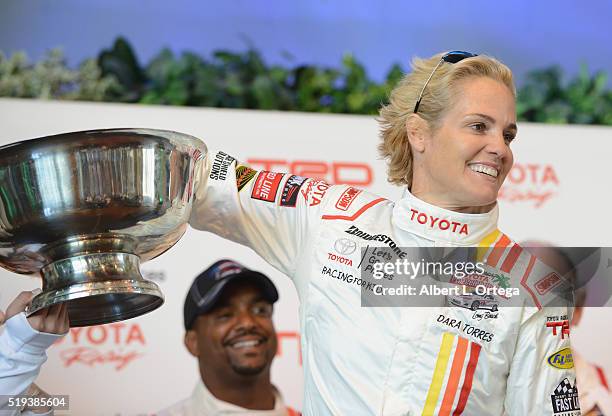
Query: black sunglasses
(451, 58)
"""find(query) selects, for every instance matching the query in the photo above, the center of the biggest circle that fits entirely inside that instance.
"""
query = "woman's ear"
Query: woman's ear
(417, 130)
(191, 342)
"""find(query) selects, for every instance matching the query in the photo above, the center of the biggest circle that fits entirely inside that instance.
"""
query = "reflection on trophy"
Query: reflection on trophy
(85, 209)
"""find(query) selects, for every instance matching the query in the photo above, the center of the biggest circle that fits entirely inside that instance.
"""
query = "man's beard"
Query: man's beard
(248, 370)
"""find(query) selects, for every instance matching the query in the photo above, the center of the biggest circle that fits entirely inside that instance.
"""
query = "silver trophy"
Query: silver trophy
(85, 209)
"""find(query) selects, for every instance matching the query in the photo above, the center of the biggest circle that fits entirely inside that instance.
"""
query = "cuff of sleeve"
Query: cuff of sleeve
(21, 337)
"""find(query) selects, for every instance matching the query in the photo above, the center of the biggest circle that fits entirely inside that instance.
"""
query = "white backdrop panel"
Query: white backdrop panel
(558, 192)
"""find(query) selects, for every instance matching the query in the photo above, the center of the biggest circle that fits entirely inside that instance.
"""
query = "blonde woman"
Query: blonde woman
(447, 135)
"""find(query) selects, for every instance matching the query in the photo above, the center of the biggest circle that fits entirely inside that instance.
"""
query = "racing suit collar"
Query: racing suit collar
(438, 224)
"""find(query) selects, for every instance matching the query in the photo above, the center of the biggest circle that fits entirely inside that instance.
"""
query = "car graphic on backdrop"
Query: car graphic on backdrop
(474, 301)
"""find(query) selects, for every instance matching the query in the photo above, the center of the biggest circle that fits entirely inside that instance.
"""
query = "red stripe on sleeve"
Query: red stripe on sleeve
(532, 261)
(511, 259)
(469, 378)
(355, 215)
(498, 250)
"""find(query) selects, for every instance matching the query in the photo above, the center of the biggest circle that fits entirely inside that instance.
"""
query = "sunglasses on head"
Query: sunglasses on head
(451, 58)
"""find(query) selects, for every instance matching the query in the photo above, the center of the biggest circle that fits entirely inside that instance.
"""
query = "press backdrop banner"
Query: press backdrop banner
(558, 191)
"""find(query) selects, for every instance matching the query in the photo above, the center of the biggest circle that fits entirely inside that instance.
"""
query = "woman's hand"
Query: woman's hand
(52, 320)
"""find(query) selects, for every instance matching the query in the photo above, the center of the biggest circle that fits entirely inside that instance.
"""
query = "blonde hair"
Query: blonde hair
(437, 97)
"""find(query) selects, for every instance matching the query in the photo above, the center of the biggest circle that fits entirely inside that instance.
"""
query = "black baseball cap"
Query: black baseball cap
(208, 286)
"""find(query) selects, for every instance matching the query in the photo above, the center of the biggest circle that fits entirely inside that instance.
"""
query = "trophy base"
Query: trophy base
(99, 288)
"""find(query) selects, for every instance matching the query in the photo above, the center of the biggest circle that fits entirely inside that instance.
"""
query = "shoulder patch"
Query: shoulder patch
(314, 191)
(220, 165)
(266, 186)
(346, 198)
(243, 175)
(290, 192)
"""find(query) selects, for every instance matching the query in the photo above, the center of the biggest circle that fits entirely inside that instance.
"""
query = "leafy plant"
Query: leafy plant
(51, 79)
(584, 100)
(243, 80)
(120, 62)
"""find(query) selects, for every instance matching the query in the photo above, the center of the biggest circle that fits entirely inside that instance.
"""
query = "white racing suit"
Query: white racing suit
(392, 360)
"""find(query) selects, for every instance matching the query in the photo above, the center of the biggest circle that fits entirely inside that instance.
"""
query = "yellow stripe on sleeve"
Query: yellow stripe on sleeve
(438, 376)
(485, 243)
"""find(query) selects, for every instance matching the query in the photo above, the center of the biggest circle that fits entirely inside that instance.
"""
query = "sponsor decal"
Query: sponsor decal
(530, 183)
(347, 198)
(480, 315)
(486, 279)
(220, 165)
(385, 239)
(345, 246)
(243, 175)
(565, 399)
(347, 173)
(548, 283)
(113, 345)
(436, 223)
(315, 191)
(466, 328)
(377, 255)
(347, 278)
(266, 186)
(339, 259)
(290, 190)
(475, 301)
(559, 328)
(562, 359)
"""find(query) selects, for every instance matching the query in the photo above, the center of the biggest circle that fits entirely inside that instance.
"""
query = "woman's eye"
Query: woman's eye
(509, 137)
(479, 127)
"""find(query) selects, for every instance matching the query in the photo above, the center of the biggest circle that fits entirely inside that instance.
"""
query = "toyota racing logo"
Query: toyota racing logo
(345, 246)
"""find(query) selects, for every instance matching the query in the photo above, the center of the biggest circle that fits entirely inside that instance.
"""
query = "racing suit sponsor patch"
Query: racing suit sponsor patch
(562, 359)
(266, 186)
(345, 246)
(220, 165)
(315, 191)
(437, 223)
(290, 190)
(383, 238)
(565, 399)
(466, 328)
(347, 198)
(559, 325)
(347, 278)
(339, 259)
(548, 283)
(243, 175)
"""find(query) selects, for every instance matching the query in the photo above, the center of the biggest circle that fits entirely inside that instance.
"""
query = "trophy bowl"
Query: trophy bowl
(84, 209)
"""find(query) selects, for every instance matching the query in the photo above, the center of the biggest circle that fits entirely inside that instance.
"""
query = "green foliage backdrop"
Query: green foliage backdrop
(244, 80)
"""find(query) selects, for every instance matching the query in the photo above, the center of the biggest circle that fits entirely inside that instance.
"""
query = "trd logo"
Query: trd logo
(349, 173)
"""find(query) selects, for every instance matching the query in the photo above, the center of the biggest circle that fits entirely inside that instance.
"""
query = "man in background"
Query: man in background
(593, 388)
(229, 329)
